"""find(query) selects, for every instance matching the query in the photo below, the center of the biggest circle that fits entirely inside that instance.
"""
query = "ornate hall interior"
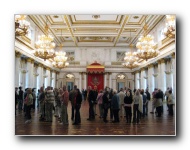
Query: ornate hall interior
(125, 51)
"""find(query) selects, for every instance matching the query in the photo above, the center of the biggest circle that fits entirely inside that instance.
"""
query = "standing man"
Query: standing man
(20, 97)
(72, 95)
(49, 100)
(91, 103)
(95, 98)
(148, 99)
(16, 98)
(115, 106)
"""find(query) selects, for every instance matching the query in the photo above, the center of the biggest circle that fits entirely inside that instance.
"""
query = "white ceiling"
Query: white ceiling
(95, 30)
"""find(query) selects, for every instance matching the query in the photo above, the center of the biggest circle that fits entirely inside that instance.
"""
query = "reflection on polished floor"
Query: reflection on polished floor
(148, 126)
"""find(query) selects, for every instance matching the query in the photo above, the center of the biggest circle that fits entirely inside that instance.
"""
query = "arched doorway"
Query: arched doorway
(70, 79)
(121, 81)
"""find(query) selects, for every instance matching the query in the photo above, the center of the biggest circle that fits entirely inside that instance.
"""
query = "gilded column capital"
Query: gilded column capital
(173, 55)
(17, 54)
(159, 61)
(40, 65)
(150, 65)
(162, 60)
(142, 69)
(30, 60)
(48, 68)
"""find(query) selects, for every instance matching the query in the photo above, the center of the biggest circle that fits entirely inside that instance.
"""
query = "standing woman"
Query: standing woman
(136, 112)
(64, 104)
(77, 105)
(29, 103)
(170, 102)
(127, 106)
(58, 103)
(99, 100)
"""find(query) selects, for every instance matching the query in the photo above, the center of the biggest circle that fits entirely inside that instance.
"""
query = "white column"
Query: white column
(132, 81)
(110, 80)
(48, 77)
(151, 85)
(143, 86)
(17, 69)
(57, 80)
(23, 81)
(162, 75)
(80, 81)
(85, 80)
(105, 79)
(137, 80)
(29, 75)
(114, 84)
(53, 79)
(174, 73)
(40, 77)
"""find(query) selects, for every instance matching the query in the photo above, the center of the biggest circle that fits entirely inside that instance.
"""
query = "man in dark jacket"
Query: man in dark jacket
(72, 95)
(91, 100)
(20, 97)
(148, 99)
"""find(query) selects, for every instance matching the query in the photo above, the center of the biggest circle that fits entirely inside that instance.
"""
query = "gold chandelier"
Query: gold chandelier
(60, 58)
(169, 30)
(131, 60)
(21, 25)
(146, 45)
(45, 45)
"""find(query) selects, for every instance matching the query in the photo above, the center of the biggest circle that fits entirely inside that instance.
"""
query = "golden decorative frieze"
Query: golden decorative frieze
(25, 38)
(165, 40)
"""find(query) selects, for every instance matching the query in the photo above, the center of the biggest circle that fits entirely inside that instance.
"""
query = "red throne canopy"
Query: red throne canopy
(96, 75)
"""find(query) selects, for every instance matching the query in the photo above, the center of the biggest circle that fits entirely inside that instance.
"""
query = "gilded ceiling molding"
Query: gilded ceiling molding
(121, 30)
(69, 27)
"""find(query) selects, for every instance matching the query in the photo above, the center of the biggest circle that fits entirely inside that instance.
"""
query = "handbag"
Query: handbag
(26, 100)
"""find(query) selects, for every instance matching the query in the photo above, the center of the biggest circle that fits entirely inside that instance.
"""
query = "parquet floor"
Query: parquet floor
(148, 126)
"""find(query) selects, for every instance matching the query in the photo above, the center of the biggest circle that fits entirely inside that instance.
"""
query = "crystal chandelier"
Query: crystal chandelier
(169, 30)
(60, 58)
(146, 46)
(21, 25)
(45, 46)
(131, 60)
